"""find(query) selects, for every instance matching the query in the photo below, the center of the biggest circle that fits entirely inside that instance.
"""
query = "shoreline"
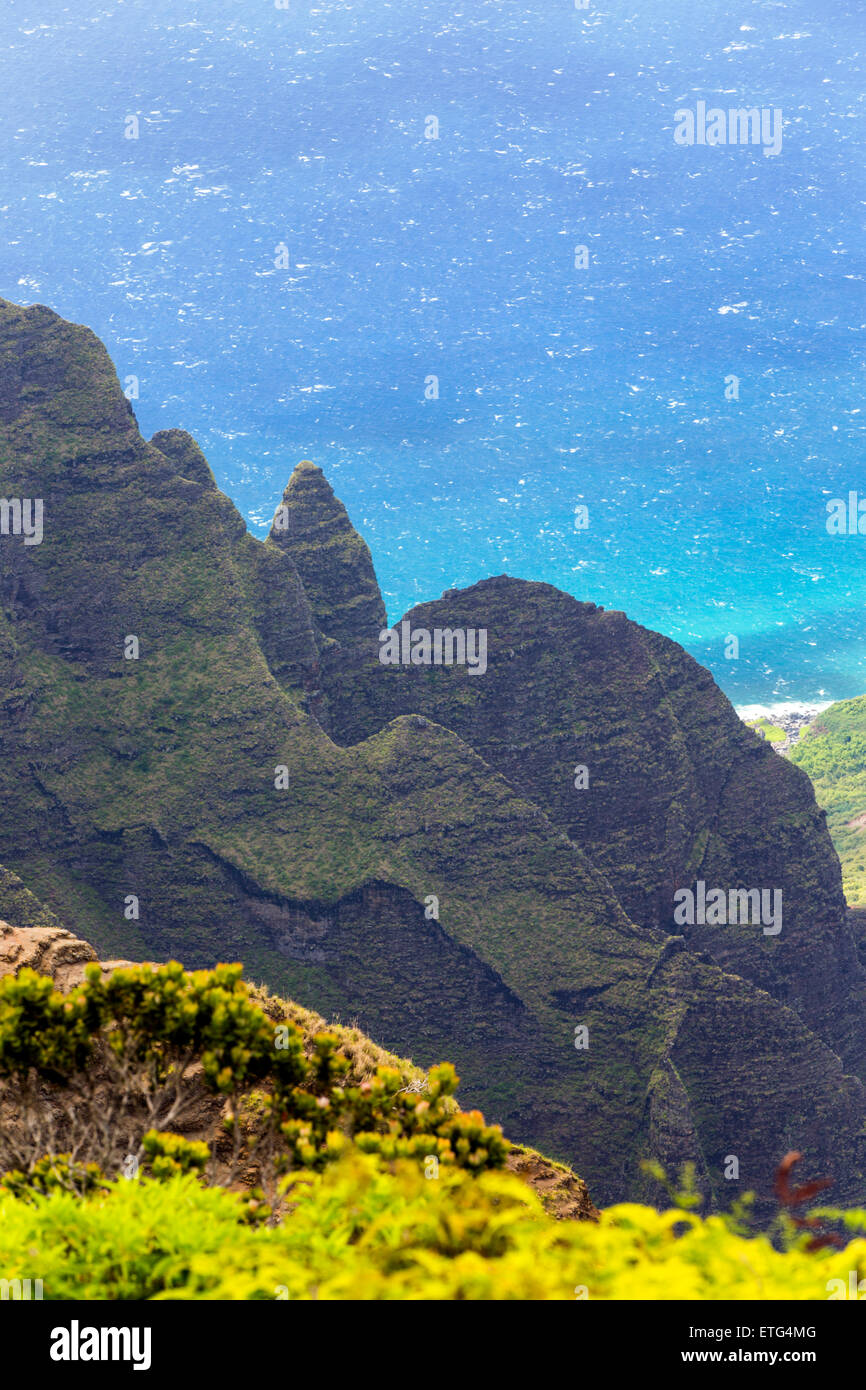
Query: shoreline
(792, 716)
(782, 709)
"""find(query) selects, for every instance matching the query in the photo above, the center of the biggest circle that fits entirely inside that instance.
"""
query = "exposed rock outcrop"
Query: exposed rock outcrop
(334, 563)
(48, 950)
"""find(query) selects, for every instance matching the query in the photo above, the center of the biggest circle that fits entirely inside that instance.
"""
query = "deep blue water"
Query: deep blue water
(411, 257)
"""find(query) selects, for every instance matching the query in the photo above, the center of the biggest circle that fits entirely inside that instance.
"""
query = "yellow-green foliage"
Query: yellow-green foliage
(53, 1172)
(168, 1154)
(366, 1229)
(153, 1023)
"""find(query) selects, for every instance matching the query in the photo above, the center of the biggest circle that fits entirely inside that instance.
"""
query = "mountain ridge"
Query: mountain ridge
(160, 778)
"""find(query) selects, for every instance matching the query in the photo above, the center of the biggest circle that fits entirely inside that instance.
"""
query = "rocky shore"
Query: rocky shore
(781, 724)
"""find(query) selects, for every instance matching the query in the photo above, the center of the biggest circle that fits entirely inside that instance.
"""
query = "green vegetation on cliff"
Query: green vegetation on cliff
(832, 750)
(237, 783)
(99, 1071)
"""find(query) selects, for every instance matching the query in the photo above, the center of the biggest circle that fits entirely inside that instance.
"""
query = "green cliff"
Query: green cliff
(832, 750)
(245, 781)
(676, 789)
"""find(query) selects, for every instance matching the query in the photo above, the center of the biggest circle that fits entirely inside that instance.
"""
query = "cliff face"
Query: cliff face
(246, 781)
(333, 562)
(672, 788)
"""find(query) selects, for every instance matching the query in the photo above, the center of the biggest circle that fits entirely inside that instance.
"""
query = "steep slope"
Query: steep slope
(177, 795)
(674, 788)
(832, 750)
(332, 560)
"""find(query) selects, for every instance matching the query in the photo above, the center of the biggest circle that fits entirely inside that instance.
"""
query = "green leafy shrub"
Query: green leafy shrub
(52, 1173)
(382, 1187)
(168, 1154)
(366, 1229)
(106, 1073)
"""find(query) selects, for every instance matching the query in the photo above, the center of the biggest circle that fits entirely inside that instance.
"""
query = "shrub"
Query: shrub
(105, 1074)
(365, 1229)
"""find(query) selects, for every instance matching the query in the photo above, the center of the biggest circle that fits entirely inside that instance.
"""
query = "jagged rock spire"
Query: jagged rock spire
(334, 563)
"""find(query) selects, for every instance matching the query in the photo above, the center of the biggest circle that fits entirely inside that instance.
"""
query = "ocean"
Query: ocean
(352, 232)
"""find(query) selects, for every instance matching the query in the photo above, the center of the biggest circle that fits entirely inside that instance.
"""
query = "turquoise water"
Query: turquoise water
(410, 257)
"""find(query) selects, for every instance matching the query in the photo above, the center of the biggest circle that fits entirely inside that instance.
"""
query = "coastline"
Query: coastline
(784, 708)
(791, 716)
